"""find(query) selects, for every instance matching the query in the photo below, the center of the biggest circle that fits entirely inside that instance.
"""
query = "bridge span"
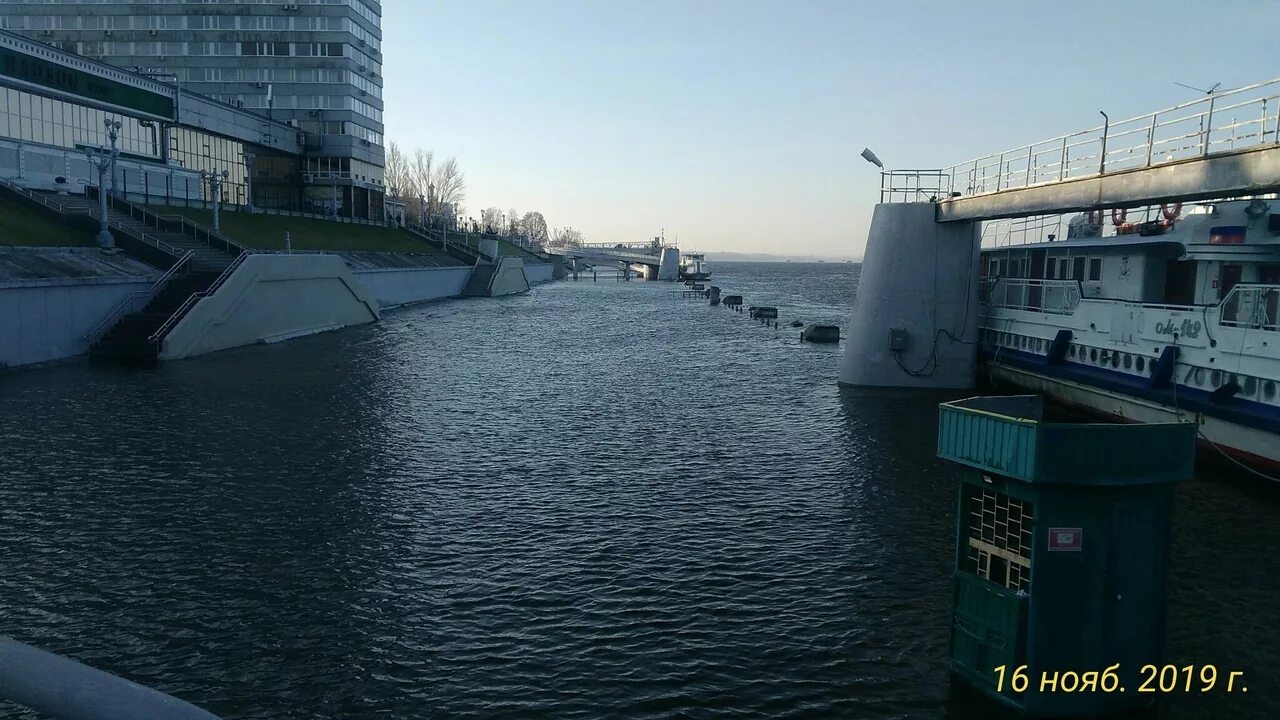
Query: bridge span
(663, 260)
(1222, 145)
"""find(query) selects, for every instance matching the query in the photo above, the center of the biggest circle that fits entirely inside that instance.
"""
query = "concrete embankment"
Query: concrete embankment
(50, 298)
(270, 298)
(397, 279)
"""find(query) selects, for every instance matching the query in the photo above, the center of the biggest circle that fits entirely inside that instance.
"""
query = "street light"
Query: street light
(103, 160)
(871, 158)
(248, 179)
(113, 134)
(215, 181)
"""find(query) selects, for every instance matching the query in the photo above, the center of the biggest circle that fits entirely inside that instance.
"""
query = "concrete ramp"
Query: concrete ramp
(506, 277)
(269, 298)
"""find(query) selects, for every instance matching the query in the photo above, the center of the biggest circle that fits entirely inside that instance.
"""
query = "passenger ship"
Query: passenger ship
(1175, 317)
(694, 266)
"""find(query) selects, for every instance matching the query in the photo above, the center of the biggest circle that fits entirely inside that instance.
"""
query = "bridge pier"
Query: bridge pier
(669, 264)
(915, 315)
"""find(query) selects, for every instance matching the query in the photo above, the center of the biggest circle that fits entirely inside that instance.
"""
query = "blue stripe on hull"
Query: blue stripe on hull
(1236, 410)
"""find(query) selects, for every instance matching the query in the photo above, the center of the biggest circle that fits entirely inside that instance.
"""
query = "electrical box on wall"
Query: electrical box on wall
(898, 339)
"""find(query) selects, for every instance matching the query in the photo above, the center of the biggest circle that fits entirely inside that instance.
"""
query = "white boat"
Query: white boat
(693, 266)
(1175, 316)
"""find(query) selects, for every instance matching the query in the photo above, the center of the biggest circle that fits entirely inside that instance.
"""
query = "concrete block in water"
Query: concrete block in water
(920, 276)
(732, 300)
(821, 334)
(764, 313)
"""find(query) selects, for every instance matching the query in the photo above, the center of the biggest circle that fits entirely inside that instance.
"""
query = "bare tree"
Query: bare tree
(420, 172)
(450, 186)
(534, 227)
(396, 175)
(491, 219)
(567, 237)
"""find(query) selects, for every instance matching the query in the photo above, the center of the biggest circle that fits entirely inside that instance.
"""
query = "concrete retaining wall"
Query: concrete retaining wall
(270, 298)
(539, 273)
(44, 320)
(51, 297)
(392, 287)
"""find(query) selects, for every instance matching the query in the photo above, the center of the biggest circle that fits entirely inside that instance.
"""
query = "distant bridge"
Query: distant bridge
(1222, 145)
(631, 253)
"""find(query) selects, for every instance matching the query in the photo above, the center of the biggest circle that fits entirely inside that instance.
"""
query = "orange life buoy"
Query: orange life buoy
(1094, 218)
(1170, 214)
(1118, 215)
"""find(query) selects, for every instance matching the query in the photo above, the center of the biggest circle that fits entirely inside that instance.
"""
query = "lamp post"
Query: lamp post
(113, 134)
(248, 179)
(102, 160)
(215, 187)
(422, 210)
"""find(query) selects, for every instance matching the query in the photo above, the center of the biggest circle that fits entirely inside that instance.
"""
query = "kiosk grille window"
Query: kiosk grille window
(999, 547)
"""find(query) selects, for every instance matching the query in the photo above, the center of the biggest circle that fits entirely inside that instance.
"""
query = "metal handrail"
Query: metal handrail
(95, 333)
(1194, 134)
(209, 235)
(59, 207)
(195, 297)
(63, 689)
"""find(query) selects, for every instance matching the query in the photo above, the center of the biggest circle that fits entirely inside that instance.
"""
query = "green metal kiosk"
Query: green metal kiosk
(1061, 553)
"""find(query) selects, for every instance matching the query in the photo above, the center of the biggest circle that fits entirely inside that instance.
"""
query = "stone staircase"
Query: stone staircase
(129, 342)
(200, 260)
(481, 278)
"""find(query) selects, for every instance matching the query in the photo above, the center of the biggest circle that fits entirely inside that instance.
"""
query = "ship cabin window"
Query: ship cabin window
(1095, 269)
(1077, 267)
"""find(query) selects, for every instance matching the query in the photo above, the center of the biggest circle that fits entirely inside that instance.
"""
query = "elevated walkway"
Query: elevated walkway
(1222, 145)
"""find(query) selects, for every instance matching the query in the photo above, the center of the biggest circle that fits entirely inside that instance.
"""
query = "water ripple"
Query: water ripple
(592, 501)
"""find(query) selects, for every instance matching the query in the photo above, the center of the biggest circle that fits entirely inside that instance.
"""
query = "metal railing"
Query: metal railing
(1058, 297)
(913, 186)
(196, 297)
(1221, 122)
(126, 306)
(185, 226)
(43, 199)
(1251, 305)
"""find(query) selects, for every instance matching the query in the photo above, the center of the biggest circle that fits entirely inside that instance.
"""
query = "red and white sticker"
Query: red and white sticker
(1066, 539)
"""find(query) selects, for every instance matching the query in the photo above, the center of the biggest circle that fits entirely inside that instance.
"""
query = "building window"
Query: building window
(263, 48)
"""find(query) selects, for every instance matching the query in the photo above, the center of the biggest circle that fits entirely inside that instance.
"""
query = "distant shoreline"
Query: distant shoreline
(714, 257)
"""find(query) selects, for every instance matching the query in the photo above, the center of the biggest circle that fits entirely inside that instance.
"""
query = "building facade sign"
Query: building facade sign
(46, 77)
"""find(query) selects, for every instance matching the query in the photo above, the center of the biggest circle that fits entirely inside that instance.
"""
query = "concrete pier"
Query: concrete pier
(915, 316)
(669, 264)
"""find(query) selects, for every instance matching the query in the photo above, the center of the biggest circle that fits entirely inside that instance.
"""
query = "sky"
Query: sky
(737, 126)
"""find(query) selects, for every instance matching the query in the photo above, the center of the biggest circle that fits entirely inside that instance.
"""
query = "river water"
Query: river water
(594, 500)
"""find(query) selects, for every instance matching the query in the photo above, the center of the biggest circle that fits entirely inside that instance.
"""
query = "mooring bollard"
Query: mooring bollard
(1084, 509)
